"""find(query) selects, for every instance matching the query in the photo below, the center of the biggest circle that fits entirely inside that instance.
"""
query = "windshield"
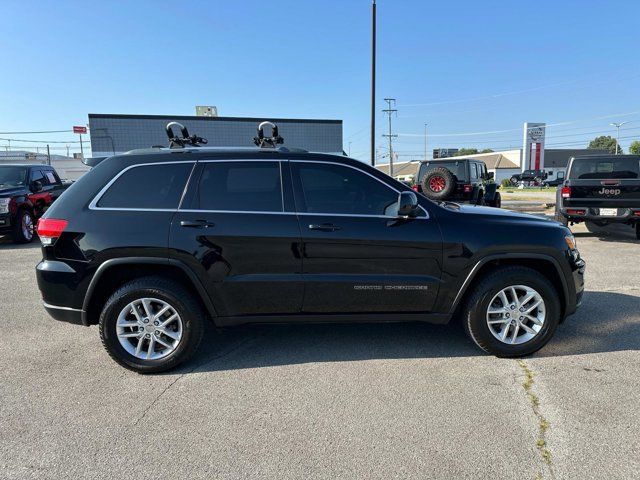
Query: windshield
(457, 168)
(587, 168)
(12, 176)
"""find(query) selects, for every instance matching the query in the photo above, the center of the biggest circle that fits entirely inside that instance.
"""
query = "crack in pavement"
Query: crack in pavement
(543, 423)
(228, 351)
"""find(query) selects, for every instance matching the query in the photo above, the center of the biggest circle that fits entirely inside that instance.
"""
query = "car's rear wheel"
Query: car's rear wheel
(512, 312)
(438, 183)
(561, 218)
(151, 324)
(23, 229)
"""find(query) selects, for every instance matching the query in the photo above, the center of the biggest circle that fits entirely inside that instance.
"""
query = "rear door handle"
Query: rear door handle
(196, 224)
(324, 227)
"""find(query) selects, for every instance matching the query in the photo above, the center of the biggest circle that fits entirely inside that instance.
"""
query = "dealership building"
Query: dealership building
(112, 134)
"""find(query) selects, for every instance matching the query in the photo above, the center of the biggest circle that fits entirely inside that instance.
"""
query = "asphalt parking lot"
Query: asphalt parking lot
(345, 401)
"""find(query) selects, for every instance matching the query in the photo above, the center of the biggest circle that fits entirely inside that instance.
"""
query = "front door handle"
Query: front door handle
(324, 227)
(196, 224)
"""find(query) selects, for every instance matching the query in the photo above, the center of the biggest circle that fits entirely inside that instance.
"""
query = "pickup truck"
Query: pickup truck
(26, 191)
(531, 176)
(601, 190)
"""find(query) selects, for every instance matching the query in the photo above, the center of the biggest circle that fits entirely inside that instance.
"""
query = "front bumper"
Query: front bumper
(624, 215)
(6, 223)
(577, 278)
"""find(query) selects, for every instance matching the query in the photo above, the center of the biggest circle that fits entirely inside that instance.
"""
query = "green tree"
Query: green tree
(466, 151)
(486, 150)
(604, 142)
(634, 148)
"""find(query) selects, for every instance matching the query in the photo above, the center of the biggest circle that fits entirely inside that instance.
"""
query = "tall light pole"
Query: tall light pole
(425, 141)
(617, 125)
(373, 83)
(349, 151)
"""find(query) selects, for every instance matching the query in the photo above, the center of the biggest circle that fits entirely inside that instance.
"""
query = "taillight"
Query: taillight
(468, 188)
(49, 229)
(636, 213)
(566, 192)
(574, 211)
(416, 188)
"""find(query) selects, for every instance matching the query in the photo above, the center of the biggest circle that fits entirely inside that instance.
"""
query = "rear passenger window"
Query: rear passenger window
(240, 186)
(148, 187)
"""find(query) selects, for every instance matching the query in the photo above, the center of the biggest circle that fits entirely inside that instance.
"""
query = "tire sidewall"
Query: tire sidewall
(18, 235)
(478, 322)
(109, 318)
(449, 180)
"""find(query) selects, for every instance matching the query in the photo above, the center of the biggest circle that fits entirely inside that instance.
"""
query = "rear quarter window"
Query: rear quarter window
(603, 168)
(148, 187)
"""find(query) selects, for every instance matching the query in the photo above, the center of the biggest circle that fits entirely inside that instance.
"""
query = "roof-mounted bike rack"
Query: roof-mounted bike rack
(177, 142)
(268, 142)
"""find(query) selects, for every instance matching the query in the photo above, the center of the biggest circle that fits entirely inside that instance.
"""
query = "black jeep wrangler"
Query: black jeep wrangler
(465, 180)
(270, 234)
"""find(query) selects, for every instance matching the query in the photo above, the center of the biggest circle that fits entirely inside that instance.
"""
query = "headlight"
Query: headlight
(571, 242)
(4, 205)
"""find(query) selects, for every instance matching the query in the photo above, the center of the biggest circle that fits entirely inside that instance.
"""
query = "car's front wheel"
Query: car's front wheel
(151, 324)
(512, 312)
(23, 230)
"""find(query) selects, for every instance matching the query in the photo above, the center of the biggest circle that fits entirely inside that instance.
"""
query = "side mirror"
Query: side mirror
(36, 186)
(489, 176)
(407, 204)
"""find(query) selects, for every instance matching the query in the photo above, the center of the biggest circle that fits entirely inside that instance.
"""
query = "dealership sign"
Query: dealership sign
(533, 146)
(80, 130)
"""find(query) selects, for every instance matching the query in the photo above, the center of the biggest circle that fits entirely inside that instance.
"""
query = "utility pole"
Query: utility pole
(67, 150)
(425, 141)
(349, 151)
(391, 102)
(617, 125)
(373, 83)
(48, 155)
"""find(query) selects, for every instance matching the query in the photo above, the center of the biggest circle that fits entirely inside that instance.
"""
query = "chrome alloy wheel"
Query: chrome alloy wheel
(27, 226)
(516, 314)
(149, 328)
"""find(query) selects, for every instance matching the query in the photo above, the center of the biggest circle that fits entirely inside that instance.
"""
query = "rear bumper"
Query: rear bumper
(625, 215)
(64, 314)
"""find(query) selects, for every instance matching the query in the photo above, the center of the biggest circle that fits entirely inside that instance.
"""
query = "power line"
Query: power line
(40, 141)
(42, 131)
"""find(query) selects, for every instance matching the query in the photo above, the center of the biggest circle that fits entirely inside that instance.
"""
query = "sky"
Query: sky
(462, 67)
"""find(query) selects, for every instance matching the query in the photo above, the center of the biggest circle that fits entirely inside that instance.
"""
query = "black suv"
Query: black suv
(529, 176)
(465, 180)
(150, 244)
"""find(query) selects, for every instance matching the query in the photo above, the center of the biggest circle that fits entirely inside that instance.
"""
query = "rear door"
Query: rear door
(604, 182)
(358, 256)
(237, 230)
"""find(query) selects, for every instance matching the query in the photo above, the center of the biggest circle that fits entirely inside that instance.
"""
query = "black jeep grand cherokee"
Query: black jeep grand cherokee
(151, 244)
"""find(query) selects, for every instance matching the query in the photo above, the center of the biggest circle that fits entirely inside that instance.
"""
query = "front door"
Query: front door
(358, 256)
(238, 231)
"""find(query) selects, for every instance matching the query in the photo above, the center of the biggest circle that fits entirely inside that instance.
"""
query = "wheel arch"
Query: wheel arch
(113, 273)
(544, 264)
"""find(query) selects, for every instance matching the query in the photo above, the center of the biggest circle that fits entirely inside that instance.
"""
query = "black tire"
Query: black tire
(18, 235)
(515, 181)
(180, 299)
(638, 230)
(481, 200)
(477, 303)
(438, 174)
(497, 200)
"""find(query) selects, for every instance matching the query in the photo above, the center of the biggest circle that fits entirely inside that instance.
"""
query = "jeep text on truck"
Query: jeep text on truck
(26, 191)
(601, 189)
(258, 235)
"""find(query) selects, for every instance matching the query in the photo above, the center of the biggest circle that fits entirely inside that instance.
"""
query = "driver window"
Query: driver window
(336, 189)
(474, 170)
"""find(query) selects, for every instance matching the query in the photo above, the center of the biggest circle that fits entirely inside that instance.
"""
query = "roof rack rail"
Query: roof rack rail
(177, 142)
(268, 142)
